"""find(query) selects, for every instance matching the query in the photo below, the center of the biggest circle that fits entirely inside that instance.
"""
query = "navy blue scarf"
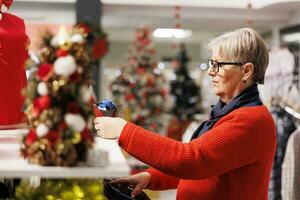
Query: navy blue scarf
(249, 97)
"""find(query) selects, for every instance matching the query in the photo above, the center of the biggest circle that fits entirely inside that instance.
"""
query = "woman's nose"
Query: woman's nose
(211, 72)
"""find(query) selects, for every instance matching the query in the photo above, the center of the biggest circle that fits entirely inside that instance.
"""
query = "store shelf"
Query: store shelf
(12, 165)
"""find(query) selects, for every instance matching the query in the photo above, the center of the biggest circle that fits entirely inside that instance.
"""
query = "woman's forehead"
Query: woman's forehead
(218, 56)
(221, 50)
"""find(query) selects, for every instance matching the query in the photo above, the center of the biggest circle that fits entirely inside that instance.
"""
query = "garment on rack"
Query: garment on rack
(279, 74)
(285, 126)
(290, 189)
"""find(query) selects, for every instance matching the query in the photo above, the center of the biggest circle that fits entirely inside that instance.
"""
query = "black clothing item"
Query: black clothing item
(120, 192)
(4, 191)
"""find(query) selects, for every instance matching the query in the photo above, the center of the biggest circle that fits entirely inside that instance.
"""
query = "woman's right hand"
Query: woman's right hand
(138, 181)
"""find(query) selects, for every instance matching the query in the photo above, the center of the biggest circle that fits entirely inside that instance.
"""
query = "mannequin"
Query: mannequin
(13, 55)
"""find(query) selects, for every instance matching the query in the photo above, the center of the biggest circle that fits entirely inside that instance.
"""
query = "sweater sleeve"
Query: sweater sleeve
(161, 181)
(233, 142)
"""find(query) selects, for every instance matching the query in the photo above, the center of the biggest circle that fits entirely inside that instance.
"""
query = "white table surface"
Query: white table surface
(12, 165)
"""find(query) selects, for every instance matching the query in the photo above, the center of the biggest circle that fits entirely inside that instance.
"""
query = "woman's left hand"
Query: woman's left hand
(109, 127)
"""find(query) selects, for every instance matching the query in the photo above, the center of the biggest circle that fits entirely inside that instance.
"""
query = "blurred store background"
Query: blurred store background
(193, 24)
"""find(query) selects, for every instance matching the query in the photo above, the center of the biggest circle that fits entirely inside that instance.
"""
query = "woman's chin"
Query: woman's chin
(217, 92)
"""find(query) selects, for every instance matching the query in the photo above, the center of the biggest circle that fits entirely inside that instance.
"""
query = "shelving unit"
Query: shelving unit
(14, 166)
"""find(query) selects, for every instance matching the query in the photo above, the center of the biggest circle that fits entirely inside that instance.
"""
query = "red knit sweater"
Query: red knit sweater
(232, 161)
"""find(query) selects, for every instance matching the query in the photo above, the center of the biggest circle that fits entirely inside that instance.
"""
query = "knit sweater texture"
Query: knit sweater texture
(232, 161)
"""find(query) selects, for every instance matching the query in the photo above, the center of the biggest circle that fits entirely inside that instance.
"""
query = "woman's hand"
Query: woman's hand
(109, 127)
(139, 181)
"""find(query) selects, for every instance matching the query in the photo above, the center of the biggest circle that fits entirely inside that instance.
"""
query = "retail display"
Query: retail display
(290, 174)
(279, 75)
(49, 148)
(13, 41)
(281, 91)
(186, 96)
(184, 90)
(59, 97)
(285, 126)
(139, 86)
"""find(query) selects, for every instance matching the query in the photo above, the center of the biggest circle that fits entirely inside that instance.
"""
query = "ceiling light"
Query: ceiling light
(172, 33)
(291, 37)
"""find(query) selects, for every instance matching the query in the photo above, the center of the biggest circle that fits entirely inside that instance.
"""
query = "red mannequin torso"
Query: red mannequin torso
(13, 55)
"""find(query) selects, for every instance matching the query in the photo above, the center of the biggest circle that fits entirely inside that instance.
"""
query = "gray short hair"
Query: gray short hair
(243, 45)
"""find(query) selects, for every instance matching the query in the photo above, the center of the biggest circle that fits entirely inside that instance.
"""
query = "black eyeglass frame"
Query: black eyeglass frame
(219, 64)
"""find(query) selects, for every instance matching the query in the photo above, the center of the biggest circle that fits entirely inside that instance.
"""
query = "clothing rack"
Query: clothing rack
(287, 106)
(292, 112)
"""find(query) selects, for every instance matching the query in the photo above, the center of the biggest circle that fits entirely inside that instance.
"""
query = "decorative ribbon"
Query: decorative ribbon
(7, 3)
(4, 6)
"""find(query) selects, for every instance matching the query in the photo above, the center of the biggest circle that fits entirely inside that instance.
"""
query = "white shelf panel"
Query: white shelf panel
(12, 165)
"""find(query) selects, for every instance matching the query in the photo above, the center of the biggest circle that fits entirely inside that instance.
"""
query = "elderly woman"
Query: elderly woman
(230, 155)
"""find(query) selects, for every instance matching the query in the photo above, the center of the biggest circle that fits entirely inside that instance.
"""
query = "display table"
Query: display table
(14, 166)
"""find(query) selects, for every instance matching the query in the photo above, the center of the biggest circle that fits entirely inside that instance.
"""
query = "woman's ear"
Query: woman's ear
(248, 71)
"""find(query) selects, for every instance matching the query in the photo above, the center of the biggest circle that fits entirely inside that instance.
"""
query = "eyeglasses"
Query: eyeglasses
(215, 65)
